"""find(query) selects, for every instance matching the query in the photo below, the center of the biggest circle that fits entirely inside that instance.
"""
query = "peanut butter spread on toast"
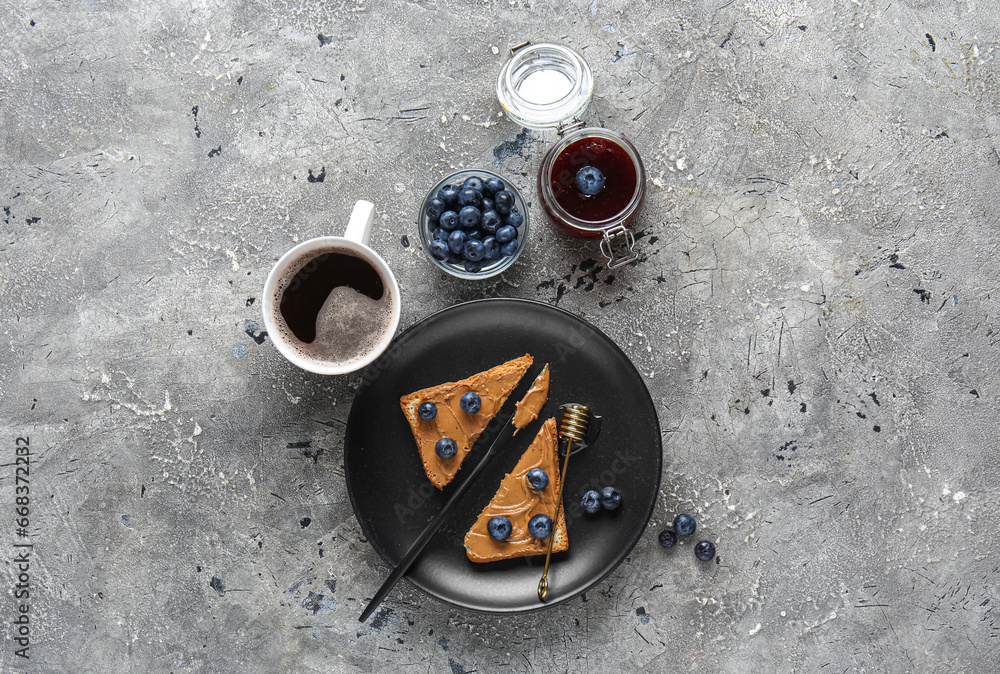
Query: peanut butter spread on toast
(493, 387)
(533, 401)
(519, 503)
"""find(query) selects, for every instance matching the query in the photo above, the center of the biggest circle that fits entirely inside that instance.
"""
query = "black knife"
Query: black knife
(504, 423)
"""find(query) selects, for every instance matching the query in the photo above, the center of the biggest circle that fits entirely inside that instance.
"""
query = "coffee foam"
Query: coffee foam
(362, 322)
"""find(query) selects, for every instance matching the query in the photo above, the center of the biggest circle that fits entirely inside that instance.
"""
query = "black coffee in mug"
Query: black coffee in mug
(335, 305)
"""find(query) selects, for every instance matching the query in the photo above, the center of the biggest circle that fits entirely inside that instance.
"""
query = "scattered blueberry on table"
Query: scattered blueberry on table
(704, 550)
(684, 524)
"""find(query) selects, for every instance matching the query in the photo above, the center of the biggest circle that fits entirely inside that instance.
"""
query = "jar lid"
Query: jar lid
(544, 85)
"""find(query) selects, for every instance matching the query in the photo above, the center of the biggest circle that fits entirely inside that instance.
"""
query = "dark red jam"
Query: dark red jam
(609, 158)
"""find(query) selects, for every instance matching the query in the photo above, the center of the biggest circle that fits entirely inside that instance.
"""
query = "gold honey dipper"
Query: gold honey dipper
(573, 428)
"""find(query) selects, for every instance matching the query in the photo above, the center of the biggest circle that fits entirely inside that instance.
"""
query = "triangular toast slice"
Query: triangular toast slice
(493, 387)
(519, 503)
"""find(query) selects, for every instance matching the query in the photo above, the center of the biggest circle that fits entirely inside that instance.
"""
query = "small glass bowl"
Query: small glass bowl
(495, 267)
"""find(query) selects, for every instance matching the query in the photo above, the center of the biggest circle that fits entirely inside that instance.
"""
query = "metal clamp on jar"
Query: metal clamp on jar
(591, 182)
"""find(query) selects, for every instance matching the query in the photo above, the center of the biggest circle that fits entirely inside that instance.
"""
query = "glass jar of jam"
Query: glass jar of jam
(592, 181)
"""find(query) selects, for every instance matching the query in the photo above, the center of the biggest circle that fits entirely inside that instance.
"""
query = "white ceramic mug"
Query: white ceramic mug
(290, 270)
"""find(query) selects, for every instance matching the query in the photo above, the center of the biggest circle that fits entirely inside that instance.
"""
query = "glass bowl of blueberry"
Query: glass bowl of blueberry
(473, 224)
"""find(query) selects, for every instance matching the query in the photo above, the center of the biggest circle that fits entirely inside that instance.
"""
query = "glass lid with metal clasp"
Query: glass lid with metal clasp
(592, 181)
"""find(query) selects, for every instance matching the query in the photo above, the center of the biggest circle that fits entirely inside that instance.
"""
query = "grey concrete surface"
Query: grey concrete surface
(813, 313)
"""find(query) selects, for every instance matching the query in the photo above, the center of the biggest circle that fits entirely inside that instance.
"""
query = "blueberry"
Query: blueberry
(427, 411)
(448, 220)
(449, 195)
(611, 498)
(455, 258)
(473, 267)
(589, 180)
(456, 241)
(469, 216)
(506, 233)
(446, 448)
(503, 202)
(668, 538)
(475, 234)
(499, 528)
(474, 250)
(591, 502)
(473, 183)
(493, 185)
(469, 197)
(440, 250)
(704, 550)
(515, 219)
(509, 248)
(492, 248)
(538, 479)
(487, 204)
(440, 233)
(490, 221)
(540, 526)
(435, 207)
(684, 524)
(470, 402)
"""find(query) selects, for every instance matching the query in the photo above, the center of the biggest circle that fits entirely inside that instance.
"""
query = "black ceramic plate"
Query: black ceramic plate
(393, 499)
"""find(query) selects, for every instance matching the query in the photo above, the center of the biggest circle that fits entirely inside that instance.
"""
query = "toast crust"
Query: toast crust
(493, 387)
(518, 502)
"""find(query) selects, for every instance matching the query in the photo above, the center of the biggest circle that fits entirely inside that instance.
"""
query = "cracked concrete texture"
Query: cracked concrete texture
(812, 314)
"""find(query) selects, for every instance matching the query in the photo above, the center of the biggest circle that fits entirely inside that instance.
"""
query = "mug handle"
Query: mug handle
(359, 227)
